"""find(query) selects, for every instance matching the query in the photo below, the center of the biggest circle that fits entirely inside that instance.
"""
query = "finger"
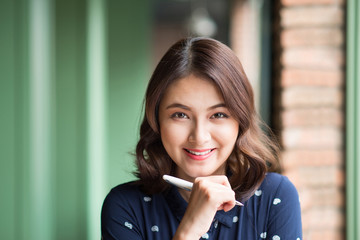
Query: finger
(213, 190)
(228, 200)
(220, 179)
(227, 207)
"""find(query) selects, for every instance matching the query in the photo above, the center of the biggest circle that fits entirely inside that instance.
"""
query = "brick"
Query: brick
(311, 177)
(311, 158)
(312, 138)
(312, 16)
(321, 116)
(314, 78)
(300, 97)
(323, 218)
(311, 2)
(311, 62)
(316, 58)
(321, 197)
(331, 234)
(312, 36)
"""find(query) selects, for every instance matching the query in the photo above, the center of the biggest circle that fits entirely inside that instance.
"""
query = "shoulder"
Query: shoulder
(121, 198)
(275, 188)
(123, 194)
(275, 207)
(283, 207)
(277, 183)
(120, 211)
(131, 188)
(278, 191)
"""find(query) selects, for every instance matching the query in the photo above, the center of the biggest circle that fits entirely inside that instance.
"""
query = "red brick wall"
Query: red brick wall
(310, 75)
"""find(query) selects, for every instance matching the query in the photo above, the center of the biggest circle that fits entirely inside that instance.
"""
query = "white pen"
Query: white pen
(186, 185)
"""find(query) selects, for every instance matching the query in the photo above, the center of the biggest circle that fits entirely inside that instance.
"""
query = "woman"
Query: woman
(200, 125)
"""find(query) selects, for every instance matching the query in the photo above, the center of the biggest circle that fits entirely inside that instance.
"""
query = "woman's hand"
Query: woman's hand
(208, 195)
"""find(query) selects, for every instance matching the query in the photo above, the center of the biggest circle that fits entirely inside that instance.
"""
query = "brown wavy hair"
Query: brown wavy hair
(254, 154)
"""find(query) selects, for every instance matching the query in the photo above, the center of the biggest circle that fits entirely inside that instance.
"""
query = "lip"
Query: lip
(199, 157)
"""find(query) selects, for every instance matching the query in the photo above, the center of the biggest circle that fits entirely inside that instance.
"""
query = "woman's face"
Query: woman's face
(197, 129)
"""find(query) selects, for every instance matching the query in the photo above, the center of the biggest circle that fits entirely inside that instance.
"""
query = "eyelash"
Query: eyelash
(182, 115)
(177, 115)
(219, 115)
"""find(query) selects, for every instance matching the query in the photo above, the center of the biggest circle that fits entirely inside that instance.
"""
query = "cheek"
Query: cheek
(172, 135)
(228, 134)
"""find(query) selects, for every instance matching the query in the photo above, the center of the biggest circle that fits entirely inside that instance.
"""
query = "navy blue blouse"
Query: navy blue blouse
(273, 212)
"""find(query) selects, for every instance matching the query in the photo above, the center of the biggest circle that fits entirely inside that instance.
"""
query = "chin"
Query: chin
(201, 174)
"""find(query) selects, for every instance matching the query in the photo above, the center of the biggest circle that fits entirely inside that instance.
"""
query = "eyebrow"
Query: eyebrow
(179, 105)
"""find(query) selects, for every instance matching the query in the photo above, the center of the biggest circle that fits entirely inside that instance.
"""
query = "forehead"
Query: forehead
(193, 89)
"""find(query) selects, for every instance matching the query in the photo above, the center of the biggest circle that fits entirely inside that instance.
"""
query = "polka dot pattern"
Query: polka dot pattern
(205, 236)
(266, 203)
(155, 228)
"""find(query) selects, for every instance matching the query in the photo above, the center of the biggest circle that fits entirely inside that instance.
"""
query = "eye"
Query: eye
(219, 115)
(180, 115)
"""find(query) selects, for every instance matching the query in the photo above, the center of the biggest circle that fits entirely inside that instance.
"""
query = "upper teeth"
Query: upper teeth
(199, 153)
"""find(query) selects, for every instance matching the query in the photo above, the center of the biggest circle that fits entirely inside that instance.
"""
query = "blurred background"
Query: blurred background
(72, 79)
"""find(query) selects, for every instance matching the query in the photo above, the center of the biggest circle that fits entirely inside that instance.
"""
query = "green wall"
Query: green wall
(128, 76)
(73, 75)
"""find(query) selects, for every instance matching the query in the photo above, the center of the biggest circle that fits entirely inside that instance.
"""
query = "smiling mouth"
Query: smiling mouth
(199, 153)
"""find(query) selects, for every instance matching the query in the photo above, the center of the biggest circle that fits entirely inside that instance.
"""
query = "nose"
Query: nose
(200, 134)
